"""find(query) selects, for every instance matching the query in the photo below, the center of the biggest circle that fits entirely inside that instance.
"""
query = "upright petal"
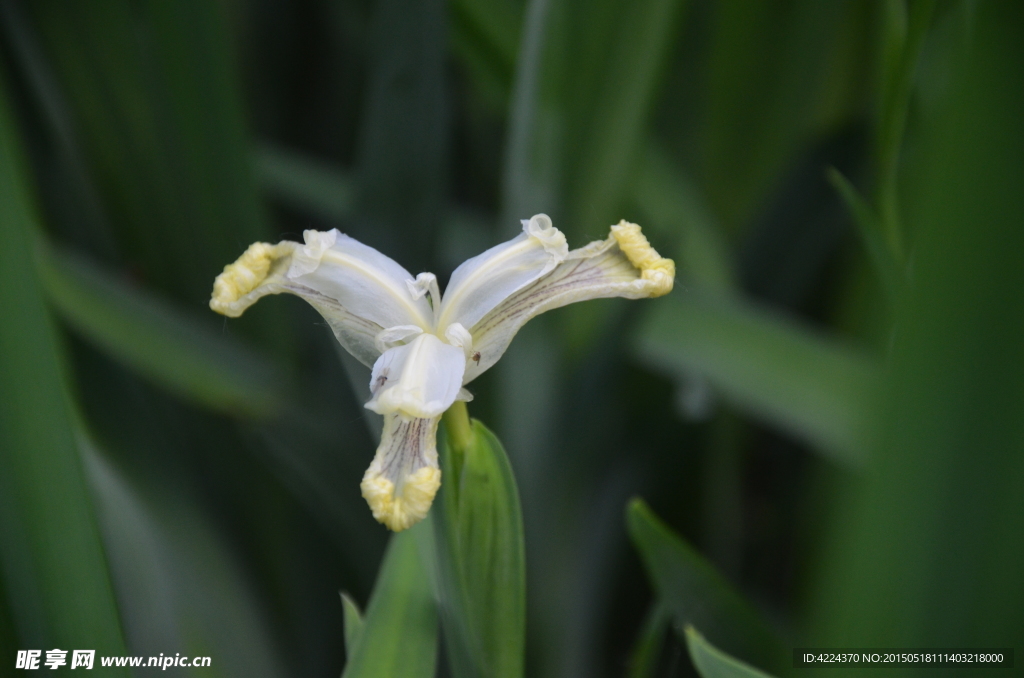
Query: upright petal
(623, 265)
(419, 379)
(483, 282)
(359, 291)
(403, 478)
(363, 280)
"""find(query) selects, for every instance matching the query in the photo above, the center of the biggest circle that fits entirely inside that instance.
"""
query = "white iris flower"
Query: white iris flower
(423, 347)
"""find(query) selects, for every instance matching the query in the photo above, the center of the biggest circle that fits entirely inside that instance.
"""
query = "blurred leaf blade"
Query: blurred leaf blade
(870, 231)
(353, 622)
(713, 663)
(303, 182)
(168, 561)
(402, 157)
(693, 591)
(485, 35)
(399, 634)
(162, 129)
(819, 390)
(904, 28)
(163, 344)
(643, 661)
(481, 556)
(55, 572)
(620, 110)
(675, 207)
(767, 64)
(934, 515)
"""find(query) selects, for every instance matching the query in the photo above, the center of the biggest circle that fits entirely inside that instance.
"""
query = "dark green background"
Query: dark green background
(829, 408)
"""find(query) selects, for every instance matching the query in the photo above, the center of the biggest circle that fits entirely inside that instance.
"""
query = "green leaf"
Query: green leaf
(870, 231)
(638, 41)
(532, 154)
(586, 79)
(767, 71)
(904, 28)
(305, 183)
(643, 661)
(713, 663)
(676, 210)
(927, 546)
(485, 35)
(54, 569)
(179, 581)
(353, 622)
(402, 150)
(183, 355)
(154, 99)
(480, 553)
(399, 633)
(816, 388)
(693, 591)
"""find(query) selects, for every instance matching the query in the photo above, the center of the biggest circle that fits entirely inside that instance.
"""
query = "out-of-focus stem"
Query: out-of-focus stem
(456, 423)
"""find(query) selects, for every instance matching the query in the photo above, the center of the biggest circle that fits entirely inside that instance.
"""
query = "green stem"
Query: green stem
(456, 423)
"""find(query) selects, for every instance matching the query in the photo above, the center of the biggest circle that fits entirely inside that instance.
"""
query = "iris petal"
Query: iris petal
(359, 291)
(623, 265)
(403, 478)
(419, 379)
(483, 282)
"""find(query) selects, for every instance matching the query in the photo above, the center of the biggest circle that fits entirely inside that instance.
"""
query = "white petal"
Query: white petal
(418, 379)
(364, 281)
(624, 265)
(457, 335)
(403, 478)
(359, 291)
(261, 271)
(483, 282)
(396, 336)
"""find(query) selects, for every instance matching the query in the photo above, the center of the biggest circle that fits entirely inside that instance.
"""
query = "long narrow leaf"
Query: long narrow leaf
(147, 334)
(694, 592)
(402, 151)
(305, 183)
(713, 663)
(353, 622)
(927, 549)
(675, 209)
(621, 110)
(819, 390)
(481, 554)
(181, 587)
(54, 569)
(162, 129)
(399, 634)
(870, 230)
(643, 661)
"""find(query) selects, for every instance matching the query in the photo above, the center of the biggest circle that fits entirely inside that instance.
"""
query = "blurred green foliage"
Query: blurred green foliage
(825, 413)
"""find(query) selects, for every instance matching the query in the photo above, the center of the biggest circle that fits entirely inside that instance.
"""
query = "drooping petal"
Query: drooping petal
(419, 379)
(403, 478)
(624, 265)
(483, 282)
(359, 291)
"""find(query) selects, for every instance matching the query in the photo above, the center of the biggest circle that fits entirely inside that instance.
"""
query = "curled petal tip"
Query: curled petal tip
(400, 509)
(539, 226)
(242, 277)
(655, 270)
(307, 258)
(403, 478)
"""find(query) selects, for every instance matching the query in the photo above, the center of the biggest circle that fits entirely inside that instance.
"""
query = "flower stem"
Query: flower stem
(456, 423)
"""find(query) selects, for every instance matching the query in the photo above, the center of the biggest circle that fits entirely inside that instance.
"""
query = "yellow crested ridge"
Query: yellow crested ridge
(242, 277)
(402, 509)
(655, 269)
